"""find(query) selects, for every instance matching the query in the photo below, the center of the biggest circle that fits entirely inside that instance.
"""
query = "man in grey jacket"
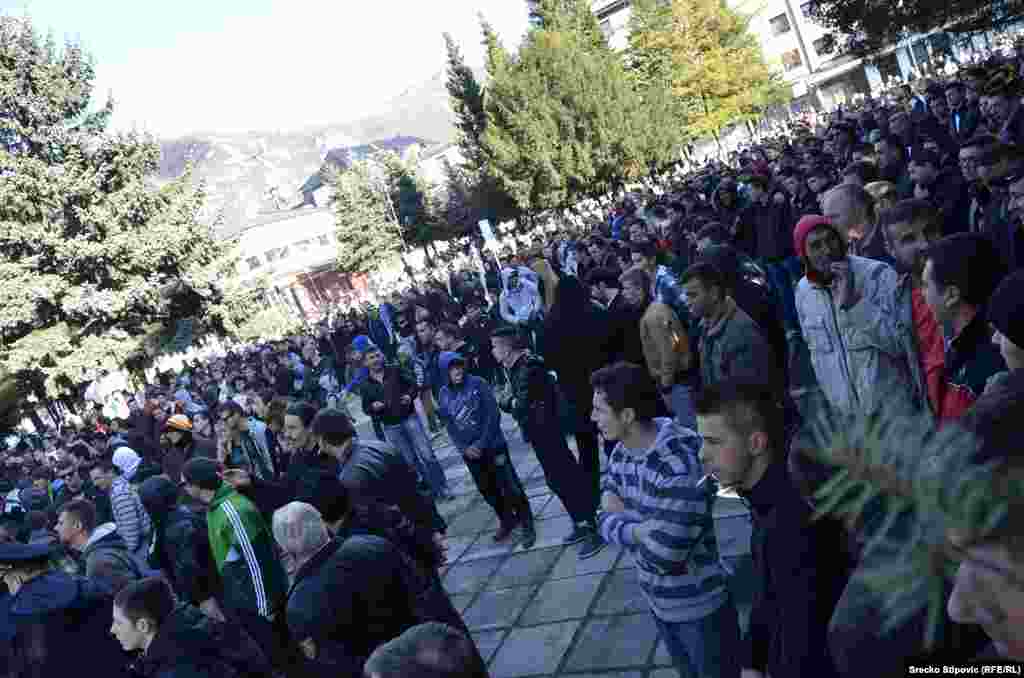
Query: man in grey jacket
(859, 342)
(101, 553)
(731, 343)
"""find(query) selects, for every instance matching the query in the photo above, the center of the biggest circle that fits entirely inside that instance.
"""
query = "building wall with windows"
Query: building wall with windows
(295, 251)
(793, 44)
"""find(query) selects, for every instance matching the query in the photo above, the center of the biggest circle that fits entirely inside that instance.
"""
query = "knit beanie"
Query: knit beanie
(127, 461)
(1006, 308)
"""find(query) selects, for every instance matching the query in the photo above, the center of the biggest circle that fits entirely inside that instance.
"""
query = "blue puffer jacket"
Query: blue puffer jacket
(469, 410)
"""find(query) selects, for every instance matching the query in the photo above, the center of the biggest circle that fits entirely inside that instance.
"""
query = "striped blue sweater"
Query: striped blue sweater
(679, 569)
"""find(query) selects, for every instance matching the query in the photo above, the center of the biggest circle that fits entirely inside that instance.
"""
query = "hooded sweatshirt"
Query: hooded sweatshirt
(678, 567)
(469, 410)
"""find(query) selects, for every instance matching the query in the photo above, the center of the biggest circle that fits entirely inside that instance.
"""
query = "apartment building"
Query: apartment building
(793, 44)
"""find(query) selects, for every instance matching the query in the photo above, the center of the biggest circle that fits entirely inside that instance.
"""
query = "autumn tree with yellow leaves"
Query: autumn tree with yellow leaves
(702, 50)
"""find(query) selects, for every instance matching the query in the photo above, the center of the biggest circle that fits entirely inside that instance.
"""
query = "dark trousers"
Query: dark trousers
(562, 472)
(590, 465)
(496, 477)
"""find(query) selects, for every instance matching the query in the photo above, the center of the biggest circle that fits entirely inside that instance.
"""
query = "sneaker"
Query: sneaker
(504, 531)
(529, 538)
(591, 546)
(578, 534)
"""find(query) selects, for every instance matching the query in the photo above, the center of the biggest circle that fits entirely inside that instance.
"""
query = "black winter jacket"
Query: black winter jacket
(183, 553)
(191, 645)
(349, 599)
(376, 472)
(801, 573)
(181, 543)
(532, 399)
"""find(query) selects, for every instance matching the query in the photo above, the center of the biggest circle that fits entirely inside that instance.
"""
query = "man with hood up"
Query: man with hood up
(470, 412)
(858, 341)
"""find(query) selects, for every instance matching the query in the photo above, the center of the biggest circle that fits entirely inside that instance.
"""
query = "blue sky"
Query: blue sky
(234, 65)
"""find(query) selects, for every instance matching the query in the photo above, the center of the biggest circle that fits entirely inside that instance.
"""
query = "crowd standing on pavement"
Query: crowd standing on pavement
(234, 523)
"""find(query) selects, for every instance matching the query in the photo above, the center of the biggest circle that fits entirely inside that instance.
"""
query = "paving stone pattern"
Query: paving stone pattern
(544, 612)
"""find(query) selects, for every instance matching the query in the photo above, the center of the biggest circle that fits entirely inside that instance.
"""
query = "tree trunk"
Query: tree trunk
(718, 144)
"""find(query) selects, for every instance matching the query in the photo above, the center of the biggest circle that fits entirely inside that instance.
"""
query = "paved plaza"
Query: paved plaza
(543, 612)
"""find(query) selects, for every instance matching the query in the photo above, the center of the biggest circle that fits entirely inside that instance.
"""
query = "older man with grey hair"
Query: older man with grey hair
(349, 594)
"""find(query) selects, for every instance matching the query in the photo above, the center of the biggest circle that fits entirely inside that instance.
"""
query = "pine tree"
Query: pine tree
(100, 268)
(471, 191)
(910, 490)
(714, 66)
(565, 122)
(467, 100)
(368, 232)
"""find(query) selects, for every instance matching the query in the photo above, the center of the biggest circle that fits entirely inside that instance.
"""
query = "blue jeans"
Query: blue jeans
(680, 401)
(412, 443)
(705, 648)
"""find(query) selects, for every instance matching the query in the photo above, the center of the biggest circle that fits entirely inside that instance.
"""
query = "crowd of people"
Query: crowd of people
(235, 523)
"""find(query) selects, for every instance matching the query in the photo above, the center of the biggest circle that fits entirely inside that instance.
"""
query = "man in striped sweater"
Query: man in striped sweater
(253, 580)
(655, 504)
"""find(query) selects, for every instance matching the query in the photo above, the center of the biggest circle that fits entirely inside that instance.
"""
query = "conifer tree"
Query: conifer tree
(367, 229)
(101, 268)
(472, 192)
(565, 122)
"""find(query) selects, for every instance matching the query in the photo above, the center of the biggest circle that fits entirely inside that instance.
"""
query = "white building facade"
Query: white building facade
(793, 45)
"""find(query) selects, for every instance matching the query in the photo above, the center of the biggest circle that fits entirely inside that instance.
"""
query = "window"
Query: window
(791, 60)
(779, 24)
(821, 47)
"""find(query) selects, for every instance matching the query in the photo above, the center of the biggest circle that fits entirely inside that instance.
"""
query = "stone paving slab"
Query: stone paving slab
(621, 593)
(533, 651)
(563, 599)
(498, 609)
(471, 577)
(488, 642)
(614, 642)
(569, 565)
(522, 569)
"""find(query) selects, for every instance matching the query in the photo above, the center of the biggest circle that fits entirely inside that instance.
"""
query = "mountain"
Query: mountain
(254, 173)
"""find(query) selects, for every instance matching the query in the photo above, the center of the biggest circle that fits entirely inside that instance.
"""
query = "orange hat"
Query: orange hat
(178, 422)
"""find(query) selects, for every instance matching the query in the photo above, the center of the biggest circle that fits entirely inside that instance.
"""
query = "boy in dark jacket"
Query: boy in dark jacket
(178, 641)
(799, 562)
(470, 412)
(533, 402)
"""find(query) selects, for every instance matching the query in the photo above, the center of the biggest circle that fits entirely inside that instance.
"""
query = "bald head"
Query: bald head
(848, 207)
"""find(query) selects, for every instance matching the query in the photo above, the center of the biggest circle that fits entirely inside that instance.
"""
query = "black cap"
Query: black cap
(202, 472)
(15, 552)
